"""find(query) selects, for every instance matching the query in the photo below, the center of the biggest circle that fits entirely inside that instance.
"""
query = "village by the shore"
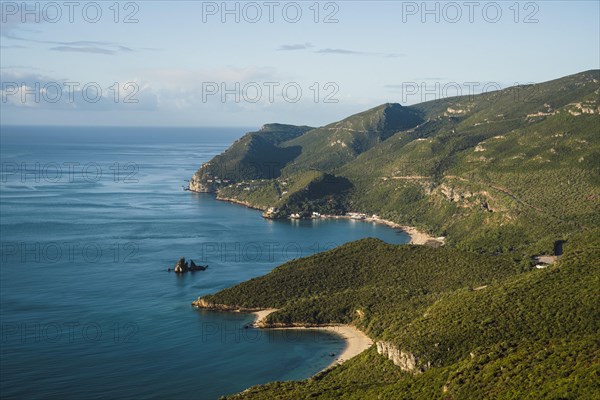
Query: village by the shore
(416, 236)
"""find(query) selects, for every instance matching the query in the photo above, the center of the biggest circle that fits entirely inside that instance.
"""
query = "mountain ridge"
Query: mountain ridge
(481, 317)
(492, 165)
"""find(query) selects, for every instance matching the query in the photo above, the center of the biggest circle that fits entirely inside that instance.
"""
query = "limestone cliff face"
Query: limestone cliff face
(197, 184)
(405, 360)
(465, 198)
(203, 303)
(207, 305)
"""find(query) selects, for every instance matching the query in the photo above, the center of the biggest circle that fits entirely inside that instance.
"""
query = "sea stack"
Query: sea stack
(181, 266)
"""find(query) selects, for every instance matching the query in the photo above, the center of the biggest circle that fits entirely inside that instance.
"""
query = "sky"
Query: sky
(198, 63)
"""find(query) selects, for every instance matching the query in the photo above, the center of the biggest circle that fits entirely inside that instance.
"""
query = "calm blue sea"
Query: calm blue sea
(90, 220)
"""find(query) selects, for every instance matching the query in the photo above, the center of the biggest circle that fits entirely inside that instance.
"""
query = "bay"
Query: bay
(91, 218)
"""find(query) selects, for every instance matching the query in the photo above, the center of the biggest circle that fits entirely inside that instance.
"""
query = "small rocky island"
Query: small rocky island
(182, 266)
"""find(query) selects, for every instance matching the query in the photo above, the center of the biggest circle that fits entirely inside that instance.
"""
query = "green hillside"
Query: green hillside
(519, 171)
(353, 274)
(477, 327)
(512, 171)
(505, 176)
(256, 155)
(303, 193)
(553, 369)
(332, 146)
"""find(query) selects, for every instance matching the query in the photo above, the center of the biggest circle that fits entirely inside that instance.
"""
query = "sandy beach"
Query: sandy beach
(356, 341)
(261, 315)
(419, 237)
(416, 236)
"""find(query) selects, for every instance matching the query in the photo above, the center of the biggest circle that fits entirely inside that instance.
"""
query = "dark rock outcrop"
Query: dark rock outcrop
(207, 305)
(181, 266)
(194, 267)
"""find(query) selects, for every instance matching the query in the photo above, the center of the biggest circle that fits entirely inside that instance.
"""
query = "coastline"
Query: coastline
(356, 340)
(228, 199)
(239, 202)
(417, 236)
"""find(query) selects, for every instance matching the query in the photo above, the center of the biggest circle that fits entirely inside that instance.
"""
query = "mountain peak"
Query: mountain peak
(385, 119)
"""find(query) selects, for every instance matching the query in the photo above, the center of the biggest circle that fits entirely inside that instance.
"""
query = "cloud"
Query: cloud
(21, 89)
(13, 28)
(13, 46)
(292, 47)
(339, 51)
(358, 53)
(204, 88)
(81, 46)
(11, 22)
(308, 46)
(125, 49)
(182, 79)
(88, 49)
(21, 67)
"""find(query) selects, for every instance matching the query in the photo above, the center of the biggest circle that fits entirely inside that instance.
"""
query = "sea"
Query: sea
(91, 218)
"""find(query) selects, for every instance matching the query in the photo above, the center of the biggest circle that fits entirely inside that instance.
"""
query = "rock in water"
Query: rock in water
(194, 267)
(181, 266)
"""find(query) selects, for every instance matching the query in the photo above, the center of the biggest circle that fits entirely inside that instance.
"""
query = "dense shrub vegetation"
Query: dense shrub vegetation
(505, 176)
(507, 172)
(529, 335)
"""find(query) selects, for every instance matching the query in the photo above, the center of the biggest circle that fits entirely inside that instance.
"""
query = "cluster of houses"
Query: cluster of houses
(273, 212)
(217, 180)
(354, 215)
(314, 215)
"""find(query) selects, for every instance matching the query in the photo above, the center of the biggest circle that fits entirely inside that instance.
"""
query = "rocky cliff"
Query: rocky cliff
(197, 184)
(405, 360)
